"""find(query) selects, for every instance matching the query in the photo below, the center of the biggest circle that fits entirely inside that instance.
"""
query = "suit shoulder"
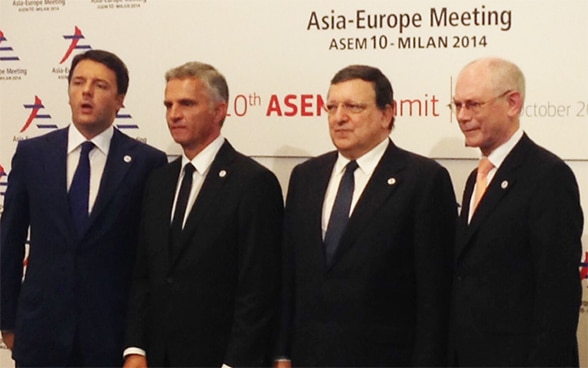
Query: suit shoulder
(150, 149)
(248, 165)
(318, 162)
(540, 153)
(142, 147)
(420, 162)
(542, 160)
(42, 139)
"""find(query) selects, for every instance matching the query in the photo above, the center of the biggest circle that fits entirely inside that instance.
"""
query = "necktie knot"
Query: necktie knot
(189, 169)
(86, 148)
(351, 167)
(484, 167)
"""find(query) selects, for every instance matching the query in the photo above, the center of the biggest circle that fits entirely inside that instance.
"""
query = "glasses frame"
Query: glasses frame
(475, 106)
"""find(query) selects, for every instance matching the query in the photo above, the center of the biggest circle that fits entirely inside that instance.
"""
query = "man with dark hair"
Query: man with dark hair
(110, 61)
(205, 287)
(78, 190)
(368, 234)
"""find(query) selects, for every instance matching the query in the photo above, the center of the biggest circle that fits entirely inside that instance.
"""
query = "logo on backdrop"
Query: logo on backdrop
(74, 44)
(9, 69)
(6, 51)
(3, 183)
(41, 120)
(584, 267)
(77, 43)
(124, 121)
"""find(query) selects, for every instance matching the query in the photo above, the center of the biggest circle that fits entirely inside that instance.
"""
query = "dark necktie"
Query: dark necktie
(180, 211)
(340, 213)
(79, 191)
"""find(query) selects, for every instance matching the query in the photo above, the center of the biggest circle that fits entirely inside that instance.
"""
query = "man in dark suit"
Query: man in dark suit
(380, 295)
(205, 290)
(516, 293)
(70, 308)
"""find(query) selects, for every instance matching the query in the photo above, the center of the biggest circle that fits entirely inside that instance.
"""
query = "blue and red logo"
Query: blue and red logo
(6, 50)
(3, 181)
(128, 121)
(75, 44)
(37, 117)
(584, 267)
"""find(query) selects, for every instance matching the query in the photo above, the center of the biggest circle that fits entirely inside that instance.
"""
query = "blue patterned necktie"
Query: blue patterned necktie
(79, 191)
(340, 213)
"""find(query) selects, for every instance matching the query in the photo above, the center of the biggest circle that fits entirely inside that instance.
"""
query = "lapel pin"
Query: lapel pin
(504, 184)
(391, 181)
(127, 159)
(222, 173)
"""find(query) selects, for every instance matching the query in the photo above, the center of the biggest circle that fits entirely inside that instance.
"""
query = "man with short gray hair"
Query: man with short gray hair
(207, 274)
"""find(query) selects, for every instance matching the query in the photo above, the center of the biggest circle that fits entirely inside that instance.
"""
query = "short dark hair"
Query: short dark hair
(382, 86)
(108, 59)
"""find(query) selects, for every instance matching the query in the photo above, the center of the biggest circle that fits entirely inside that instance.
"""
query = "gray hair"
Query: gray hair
(216, 82)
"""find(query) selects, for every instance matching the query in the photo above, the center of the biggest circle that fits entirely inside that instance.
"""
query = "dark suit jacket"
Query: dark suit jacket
(385, 299)
(74, 285)
(516, 293)
(215, 302)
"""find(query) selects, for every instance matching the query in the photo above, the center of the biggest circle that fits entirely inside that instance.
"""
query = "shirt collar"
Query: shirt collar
(368, 162)
(204, 159)
(101, 141)
(499, 154)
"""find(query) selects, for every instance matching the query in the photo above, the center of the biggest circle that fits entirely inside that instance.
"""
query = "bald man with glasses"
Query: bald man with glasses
(516, 289)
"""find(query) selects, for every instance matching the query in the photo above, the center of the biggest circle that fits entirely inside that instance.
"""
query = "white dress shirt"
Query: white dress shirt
(366, 166)
(496, 157)
(97, 157)
(201, 163)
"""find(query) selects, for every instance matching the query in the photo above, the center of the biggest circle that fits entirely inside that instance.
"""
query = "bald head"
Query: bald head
(496, 74)
(488, 99)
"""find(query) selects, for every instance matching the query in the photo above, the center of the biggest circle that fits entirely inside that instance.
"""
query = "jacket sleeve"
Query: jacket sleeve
(13, 230)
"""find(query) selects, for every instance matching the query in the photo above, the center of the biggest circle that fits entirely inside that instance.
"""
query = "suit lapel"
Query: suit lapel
(119, 161)
(317, 182)
(54, 158)
(462, 222)
(504, 180)
(160, 223)
(386, 178)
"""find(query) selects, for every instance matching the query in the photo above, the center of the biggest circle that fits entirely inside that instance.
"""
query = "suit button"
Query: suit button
(169, 280)
(459, 278)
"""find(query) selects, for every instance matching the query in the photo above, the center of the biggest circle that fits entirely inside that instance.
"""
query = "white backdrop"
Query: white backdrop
(278, 57)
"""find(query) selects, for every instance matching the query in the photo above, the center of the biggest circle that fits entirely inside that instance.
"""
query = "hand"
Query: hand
(8, 338)
(282, 363)
(135, 361)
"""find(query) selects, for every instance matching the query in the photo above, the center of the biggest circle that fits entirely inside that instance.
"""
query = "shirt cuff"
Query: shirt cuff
(134, 350)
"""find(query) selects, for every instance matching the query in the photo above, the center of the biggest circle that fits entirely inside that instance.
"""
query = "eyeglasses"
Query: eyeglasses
(474, 106)
(348, 107)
